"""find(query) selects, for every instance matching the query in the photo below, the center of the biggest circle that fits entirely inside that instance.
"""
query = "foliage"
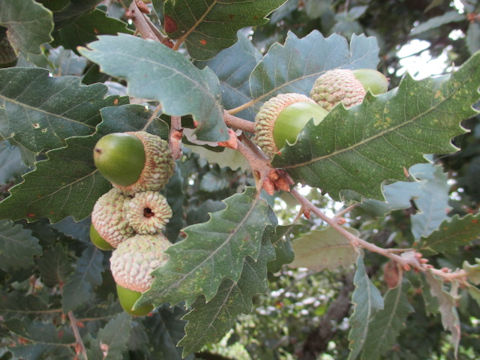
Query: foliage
(254, 271)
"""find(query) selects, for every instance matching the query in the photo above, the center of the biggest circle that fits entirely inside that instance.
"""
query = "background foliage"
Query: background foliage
(58, 96)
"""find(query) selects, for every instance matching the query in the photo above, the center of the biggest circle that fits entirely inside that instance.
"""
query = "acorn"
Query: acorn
(147, 212)
(282, 118)
(347, 86)
(128, 298)
(109, 226)
(134, 161)
(133, 261)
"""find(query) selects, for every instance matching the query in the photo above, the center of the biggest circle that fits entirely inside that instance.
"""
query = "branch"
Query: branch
(238, 123)
(144, 26)
(175, 137)
(81, 347)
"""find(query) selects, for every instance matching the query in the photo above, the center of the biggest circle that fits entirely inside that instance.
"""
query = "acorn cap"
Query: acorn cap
(109, 220)
(147, 212)
(158, 168)
(134, 260)
(265, 120)
(338, 85)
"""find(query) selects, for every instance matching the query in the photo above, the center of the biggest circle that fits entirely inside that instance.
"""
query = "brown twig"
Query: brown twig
(238, 123)
(144, 26)
(76, 333)
(175, 137)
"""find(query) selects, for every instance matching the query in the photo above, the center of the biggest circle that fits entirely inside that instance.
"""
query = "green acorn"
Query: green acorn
(282, 118)
(347, 86)
(147, 212)
(128, 298)
(109, 225)
(134, 161)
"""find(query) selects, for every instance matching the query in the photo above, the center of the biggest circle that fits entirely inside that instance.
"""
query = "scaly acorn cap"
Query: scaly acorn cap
(338, 85)
(147, 212)
(109, 220)
(133, 261)
(281, 118)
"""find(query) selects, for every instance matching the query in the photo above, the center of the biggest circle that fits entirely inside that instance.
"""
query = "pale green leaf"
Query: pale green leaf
(154, 71)
(366, 300)
(211, 252)
(359, 148)
(473, 271)
(437, 21)
(226, 158)
(323, 249)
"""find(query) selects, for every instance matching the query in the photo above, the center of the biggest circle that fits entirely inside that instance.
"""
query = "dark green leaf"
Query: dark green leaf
(359, 148)
(453, 233)
(78, 290)
(233, 67)
(29, 25)
(208, 322)
(11, 163)
(387, 324)
(211, 252)
(40, 111)
(284, 253)
(366, 300)
(54, 266)
(16, 305)
(210, 26)
(154, 71)
(294, 66)
(85, 29)
(17, 246)
(55, 192)
(112, 339)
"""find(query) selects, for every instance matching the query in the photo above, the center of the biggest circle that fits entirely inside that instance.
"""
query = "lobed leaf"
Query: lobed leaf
(387, 323)
(154, 71)
(294, 66)
(366, 300)
(112, 339)
(209, 321)
(323, 249)
(359, 148)
(17, 246)
(29, 25)
(447, 305)
(452, 233)
(208, 26)
(40, 111)
(78, 290)
(211, 252)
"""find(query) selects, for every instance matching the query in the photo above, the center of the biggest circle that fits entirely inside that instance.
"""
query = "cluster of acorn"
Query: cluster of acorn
(282, 117)
(129, 219)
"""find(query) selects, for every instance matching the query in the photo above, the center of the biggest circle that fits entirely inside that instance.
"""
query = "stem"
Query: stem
(153, 117)
(243, 107)
(238, 123)
(144, 26)
(76, 333)
(175, 137)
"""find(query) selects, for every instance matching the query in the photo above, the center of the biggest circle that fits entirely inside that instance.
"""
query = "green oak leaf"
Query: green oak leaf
(323, 249)
(474, 293)
(473, 271)
(17, 246)
(154, 71)
(233, 67)
(208, 322)
(386, 324)
(294, 66)
(55, 191)
(359, 148)
(29, 26)
(437, 21)
(211, 252)
(115, 335)
(452, 233)
(39, 111)
(366, 300)
(8, 57)
(79, 288)
(16, 305)
(284, 253)
(85, 29)
(208, 26)
(447, 305)
(73, 10)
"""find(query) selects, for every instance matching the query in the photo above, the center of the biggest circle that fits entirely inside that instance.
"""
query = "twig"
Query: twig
(144, 26)
(345, 211)
(244, 106)
(76, 333)
(238, 123)
(175, 137)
